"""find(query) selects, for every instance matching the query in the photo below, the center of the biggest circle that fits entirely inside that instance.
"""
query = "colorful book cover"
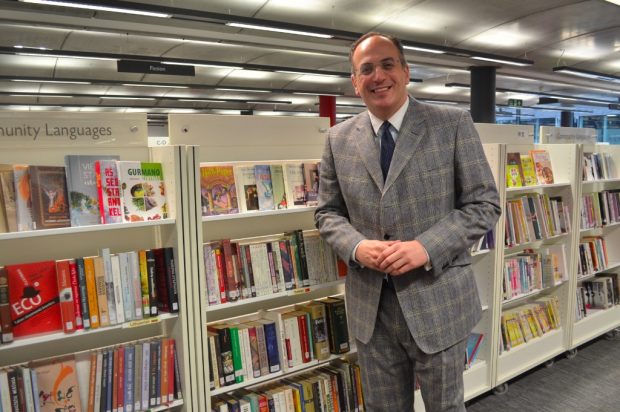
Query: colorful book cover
(514, 173)
(542, 166)
(248, 192)
(33, 296)
(143, 191)
(277, 183)
(311, 182)
(218, 192)
(108, 191)
(529, 173)
(294, 184)
(82, 188)
(23, 201)
(7, 182)
(50, 207)
(264, 188)
(58, 386)
(473, 344)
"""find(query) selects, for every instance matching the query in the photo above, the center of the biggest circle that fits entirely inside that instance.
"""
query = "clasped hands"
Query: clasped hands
(391, 256)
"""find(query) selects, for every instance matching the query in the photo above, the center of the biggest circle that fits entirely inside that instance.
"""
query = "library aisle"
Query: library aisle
(588, 382)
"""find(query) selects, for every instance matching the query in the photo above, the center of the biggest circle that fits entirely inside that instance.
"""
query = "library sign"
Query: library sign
(38, 129)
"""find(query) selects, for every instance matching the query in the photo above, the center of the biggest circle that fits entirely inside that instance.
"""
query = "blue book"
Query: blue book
(271, 340)
(104, 381)
(264, 187)
(473, 344)
(129, 377)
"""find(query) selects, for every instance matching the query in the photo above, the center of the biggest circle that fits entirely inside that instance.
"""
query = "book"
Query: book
(58, 386)
(264, 188)
(529, 172)
(108, 191)
(311, 182)
(33, 298)
(318, 322)
(294, 185)
(514, 172)
(247, 187)
(542, 166)
(277, 183)
(336, 325)
(50, 205)
(65, 294)
(218, 191)
(473, 344)
(8, 208)
(23, 200)
(82, 188)
(143, 191)
(6, 324)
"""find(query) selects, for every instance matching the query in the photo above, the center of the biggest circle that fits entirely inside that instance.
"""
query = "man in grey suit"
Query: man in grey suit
(402, 202)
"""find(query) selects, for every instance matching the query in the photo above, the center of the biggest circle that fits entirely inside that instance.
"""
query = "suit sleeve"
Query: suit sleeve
(331, 216)
(476, 208)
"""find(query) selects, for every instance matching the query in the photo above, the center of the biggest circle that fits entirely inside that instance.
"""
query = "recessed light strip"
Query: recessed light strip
(279, 30)
(98, 7)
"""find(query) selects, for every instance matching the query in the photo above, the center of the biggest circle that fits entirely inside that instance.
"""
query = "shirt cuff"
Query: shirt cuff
(353, 255)
(428, 266)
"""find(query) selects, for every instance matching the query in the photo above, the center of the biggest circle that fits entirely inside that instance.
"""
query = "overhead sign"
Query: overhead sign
(147, 67)
(515, 102)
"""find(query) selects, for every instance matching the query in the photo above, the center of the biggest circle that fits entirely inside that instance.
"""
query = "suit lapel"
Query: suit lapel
(368, 150)
(411, 132)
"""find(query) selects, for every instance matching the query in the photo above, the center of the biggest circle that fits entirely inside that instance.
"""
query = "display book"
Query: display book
(227, 188)
(529, 169)
(86, 292)
(135, 376)
(88, 190)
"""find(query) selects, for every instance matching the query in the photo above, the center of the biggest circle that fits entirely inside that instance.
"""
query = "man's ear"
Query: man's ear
(354, 81)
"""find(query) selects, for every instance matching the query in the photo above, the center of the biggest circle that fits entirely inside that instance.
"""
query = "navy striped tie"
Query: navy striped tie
(387, 148)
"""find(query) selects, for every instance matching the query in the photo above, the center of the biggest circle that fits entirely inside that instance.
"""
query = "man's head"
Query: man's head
(379, 73)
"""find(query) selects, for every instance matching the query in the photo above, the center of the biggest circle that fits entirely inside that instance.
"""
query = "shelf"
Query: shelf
(516, 299)
(258, 213)
(170, 405)
(84, 229)
(592, 182)
(50, 338)
(597, 322)
(610, 266)
(510, 250)
(529, 188)
(476, 379)
(611, 225)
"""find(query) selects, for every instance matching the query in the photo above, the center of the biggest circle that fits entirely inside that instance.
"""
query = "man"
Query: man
(404, 222)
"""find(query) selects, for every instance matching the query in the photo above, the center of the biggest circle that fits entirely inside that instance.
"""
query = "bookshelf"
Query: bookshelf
(227, 139)
(125, 136)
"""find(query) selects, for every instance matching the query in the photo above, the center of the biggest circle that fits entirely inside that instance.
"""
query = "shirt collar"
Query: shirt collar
(396, 120)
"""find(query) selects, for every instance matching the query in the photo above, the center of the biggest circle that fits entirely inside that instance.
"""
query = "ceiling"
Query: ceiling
(267, 72)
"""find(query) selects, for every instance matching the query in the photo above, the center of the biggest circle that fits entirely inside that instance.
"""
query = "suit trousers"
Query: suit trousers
(391, 361)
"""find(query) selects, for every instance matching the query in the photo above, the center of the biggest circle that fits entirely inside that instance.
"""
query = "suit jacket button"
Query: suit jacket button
(386, 237)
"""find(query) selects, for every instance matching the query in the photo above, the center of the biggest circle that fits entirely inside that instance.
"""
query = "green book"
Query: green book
(236, 352)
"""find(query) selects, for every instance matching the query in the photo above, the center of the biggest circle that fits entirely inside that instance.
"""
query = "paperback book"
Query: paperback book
(143, 191)
(50, 208)
(218, 192)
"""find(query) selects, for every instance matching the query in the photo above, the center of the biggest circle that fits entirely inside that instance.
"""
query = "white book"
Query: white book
(82, 370)
(5, 393)
(291, 325)
(213, 287)
(288, 397)
(277, 259)
(146, 359)
(247, 192)
(99, 375)
(244, 337)
(245, 406)
(118, 288)
(137, 392)
(260, 268)
(294, 185)
(137, 308)
(124, 274)
(35, 390)
(134, 270)
(109, 285)
(28, 395)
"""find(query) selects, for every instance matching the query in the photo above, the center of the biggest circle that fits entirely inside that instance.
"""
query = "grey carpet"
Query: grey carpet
(589, 382)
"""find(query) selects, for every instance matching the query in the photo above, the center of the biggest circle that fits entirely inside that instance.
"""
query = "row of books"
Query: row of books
(259, 266)
(534, 217)
(88, 190)
(529, 271)
(598, 166)
(133, 377)
(526, 322)
(334, 387)
(600, 209)
(86, 293)
(241, 187)
(592, 255)
(244, 350)
(486, 242)
(601, 292)
(533, 168)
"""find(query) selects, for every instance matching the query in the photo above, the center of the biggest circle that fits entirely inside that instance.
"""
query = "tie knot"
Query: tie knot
(385, 127)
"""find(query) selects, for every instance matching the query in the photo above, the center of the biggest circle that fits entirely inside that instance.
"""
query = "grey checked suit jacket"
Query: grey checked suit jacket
(439, 190)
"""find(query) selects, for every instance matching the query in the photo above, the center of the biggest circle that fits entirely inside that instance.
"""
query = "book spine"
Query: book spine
(233, 287)
(171, 369)
(92, 378)
(115, 379)
(221, 272)
(65, 295)
(132, 272)
(14, 390)
(83, 292)
(272, 268)
(302, 255)
(124, 274)
(100, 287)
(153, 375)
(75, 290)
(137, 380)
(146, 375)
(100, 194)
(171, 277)
(119, 289)
(144, 281)
(98, 381)
(263, 359)
(163, 381)
(304, 337)
(109, 285)
(236, 353)
(178, 388)
(93, 307)
(152, 277)
(161, 282)
(271, 340)
(254, 353)
(129, 389)
(104, 381)
(248, 258)
(6, 325)
(110, 381)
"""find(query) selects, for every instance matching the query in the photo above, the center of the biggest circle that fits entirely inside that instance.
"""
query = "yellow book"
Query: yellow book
(514, 174)
(91, 290)
(144, 282)
(529, 173)
(102, 298)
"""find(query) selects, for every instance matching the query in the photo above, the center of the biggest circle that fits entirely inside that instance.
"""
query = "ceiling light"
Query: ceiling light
(269, 101)
(500, 60)
(439, 101)
(307, 73)
(126, 98)
(586, 73)
(616, 2)
(156, 85)
(64, 56)
(98, 7)
(319, 94)
(424, 49)
(241, 90)
(40, 95)
(203, 100)
(19, 46)
(49, 81)
(217, 66)
(279, 30)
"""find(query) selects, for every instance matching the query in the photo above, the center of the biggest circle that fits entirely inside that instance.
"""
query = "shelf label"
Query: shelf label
(141, 322)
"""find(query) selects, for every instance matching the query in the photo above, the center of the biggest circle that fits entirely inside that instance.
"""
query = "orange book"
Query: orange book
(92, 382)
(65, 295)
(171, 366)
(164, 371)
(91, 290)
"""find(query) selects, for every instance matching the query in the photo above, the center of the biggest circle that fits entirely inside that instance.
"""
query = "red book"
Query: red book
(303, 336)
(65, 295)
(120, 395)
(33, 296)
(75, 289)
(231, 278)
(171, 361)
(109, 191)
(221, 271)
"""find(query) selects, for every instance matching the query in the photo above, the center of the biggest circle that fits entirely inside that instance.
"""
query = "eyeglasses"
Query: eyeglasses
(387, 65)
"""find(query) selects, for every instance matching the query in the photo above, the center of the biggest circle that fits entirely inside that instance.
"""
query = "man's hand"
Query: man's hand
(368, 252)
(401, 257)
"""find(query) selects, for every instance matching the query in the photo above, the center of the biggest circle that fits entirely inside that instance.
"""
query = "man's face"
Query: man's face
(380, 78)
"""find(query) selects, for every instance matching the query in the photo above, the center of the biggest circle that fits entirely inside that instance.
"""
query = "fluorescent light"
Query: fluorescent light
(155, 85)
(279, 30)
(586, 73)
(424, 49)
(616, 2)
(19, 46)
(65, 56)
(40, 95)
(499, 60)
(440, 101)
(203, 100)
(97, 7)
(126, 98)
(49, 81)
(217, 66)
(318, 94)
(307, 73)
(223, 89)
